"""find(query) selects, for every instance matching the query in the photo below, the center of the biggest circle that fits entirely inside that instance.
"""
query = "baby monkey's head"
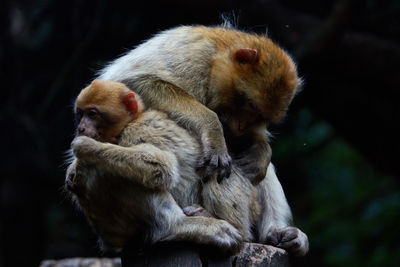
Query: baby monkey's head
(104, 108)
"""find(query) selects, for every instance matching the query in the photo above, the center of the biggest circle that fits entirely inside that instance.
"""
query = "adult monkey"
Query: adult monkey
(204, 76)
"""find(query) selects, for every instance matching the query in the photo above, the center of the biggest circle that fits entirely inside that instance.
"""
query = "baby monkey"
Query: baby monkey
(132, 172)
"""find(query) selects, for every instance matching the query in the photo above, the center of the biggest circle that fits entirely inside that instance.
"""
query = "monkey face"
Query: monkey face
(242, 117)
(104, 108)
(89, 121)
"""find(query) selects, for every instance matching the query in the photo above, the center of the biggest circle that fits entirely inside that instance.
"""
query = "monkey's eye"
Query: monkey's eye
(92, 113)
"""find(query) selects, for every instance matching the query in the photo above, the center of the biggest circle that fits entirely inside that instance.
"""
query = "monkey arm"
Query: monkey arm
(253, 161)
(191, 114)
(144, 163)
(274, 224)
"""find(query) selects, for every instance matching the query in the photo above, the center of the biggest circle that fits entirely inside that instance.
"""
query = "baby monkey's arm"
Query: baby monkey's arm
(143, 163)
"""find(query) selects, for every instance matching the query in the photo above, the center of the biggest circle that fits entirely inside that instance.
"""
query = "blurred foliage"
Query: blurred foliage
(350, 211)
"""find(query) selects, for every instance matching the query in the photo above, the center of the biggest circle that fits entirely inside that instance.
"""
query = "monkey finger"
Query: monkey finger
(209, 173)
(200, 164)
(201, 168)
(220, 178)
(224, 173)
(289, 234)
(294, 247)
(207, 160)
(241, 156)
(216, 166)
(192, 210)
(273, 237)
(290, 245)
(242, 162)
(289, 238)
(213, 161)
(211, 165)
(196, 210)
(226, 163)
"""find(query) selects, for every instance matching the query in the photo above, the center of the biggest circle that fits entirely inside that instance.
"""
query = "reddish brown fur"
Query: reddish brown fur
(273, 75)
(107, 98)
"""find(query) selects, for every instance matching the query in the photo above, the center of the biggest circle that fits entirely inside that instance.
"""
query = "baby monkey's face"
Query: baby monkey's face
(103, 109)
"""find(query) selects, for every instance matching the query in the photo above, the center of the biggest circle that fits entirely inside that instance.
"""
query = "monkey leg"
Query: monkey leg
(172, 224)
(231, 200)
(275, 211)
(275, 218)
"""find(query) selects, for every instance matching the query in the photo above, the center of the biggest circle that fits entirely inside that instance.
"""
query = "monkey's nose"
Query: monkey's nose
(81, 130)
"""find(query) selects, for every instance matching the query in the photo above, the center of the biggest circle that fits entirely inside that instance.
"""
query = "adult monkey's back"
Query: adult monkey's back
(205, 76)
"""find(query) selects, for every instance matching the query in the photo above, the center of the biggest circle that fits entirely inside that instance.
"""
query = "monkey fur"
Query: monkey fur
(141, 184)
(204, 76)
(136, 188)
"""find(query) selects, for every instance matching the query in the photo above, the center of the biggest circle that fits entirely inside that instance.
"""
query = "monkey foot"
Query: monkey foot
(196, 210)
(291, 239)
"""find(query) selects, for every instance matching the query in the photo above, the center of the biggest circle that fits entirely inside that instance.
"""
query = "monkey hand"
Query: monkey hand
(196, 210)
(254, 161)
(228, 238)
(70, 177)
(291, 239)
(254, 170)
(216, 161)
(161, 172)
(215, 232)
(85, 147)
(76, 172)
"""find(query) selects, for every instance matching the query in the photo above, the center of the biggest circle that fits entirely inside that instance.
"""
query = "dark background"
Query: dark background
(337, 152)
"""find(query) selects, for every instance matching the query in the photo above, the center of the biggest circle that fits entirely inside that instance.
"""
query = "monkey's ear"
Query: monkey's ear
(130, 102)
(246, 55)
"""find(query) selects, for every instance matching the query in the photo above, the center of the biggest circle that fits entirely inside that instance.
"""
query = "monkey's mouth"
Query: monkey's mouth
(240, 126)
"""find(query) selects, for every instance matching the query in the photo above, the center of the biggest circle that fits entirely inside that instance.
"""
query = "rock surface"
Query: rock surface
(180, 254)
(253, 254)
(82, 262)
